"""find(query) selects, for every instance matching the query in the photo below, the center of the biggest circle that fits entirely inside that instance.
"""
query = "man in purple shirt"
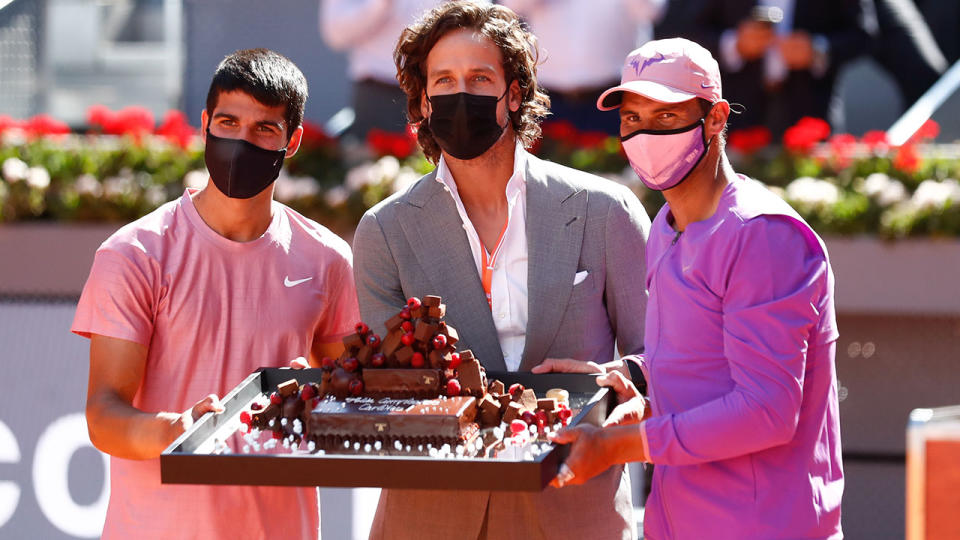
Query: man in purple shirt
(743, 422)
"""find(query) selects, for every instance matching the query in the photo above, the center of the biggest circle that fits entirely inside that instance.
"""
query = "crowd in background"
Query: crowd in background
(779, 58)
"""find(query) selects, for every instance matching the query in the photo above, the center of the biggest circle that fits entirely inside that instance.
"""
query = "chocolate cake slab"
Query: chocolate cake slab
(366, 420)
(194, 459)
(401, 383)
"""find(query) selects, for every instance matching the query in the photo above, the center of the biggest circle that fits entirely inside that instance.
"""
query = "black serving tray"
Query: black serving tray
(188, 459)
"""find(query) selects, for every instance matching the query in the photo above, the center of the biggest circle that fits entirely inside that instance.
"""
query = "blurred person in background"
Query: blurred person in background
(580, 44)
(367, 30)
(184, 303)
(778, 58)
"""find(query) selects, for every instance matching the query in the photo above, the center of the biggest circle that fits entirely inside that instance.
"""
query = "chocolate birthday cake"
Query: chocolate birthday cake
(410, 392)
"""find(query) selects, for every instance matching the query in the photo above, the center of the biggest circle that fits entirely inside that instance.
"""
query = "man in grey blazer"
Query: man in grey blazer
(534, 260)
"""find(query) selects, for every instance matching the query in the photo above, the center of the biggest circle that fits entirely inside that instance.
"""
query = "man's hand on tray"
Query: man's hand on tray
(632, 408)
(566, 365)
(211, 403)
(570, 365)
(595, 449)
(299, 363)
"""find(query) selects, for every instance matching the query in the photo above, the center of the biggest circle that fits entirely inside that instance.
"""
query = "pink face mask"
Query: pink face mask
(663, 159)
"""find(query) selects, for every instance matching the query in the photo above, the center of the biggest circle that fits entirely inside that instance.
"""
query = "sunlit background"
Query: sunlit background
(99, 104)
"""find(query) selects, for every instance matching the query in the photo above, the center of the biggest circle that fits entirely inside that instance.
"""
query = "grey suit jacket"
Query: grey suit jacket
(413, 244)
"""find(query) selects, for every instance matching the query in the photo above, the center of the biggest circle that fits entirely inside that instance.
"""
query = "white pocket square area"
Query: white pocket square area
(579, 277)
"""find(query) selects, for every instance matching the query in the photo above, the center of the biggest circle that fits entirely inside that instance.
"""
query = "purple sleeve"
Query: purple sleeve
(769, 316)
(118, 298)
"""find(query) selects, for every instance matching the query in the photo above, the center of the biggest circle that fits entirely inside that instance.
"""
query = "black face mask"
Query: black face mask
(465, 125)
(240, 169)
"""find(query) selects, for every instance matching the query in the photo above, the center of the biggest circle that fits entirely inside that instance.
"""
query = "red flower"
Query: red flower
(842, 146)
(561, 130)
(314, 136)
(101, 117)
(817, 127)
(749, 140)
(176, 129)
(135, 121)
(591, 139)
(7, 122)
(842, 142)
(798, 141)
(43, 124)
(928, 131)
(383, 143)
(907, 159)
(805, 134)
(876, 140)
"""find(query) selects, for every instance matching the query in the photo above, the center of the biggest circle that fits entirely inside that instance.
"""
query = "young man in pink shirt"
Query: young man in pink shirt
(184, 303)
(743, 423)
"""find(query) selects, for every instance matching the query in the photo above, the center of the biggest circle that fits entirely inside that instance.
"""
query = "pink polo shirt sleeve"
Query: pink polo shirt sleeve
(118, 298)
(769, 317)
(341, 313)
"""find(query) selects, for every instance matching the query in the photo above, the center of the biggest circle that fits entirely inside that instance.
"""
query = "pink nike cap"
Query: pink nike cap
(666, 70)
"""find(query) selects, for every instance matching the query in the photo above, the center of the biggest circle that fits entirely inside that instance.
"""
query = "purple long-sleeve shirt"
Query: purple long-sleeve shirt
(740, 342)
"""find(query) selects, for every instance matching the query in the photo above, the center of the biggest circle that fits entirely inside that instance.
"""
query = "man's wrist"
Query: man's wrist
(636, 376)
(644, 445)
(623, 443)
(174, 425)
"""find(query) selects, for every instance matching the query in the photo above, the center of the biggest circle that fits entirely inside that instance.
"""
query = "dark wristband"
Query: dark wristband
(636, 376)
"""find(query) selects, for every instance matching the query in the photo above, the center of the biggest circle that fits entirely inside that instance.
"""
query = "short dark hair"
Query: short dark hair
(517, 45)
(269, 77)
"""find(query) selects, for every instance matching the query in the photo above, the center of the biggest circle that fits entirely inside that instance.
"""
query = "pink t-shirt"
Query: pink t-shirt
(211, 311)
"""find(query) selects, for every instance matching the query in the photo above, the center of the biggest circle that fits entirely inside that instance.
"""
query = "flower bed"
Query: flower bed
(126, 165)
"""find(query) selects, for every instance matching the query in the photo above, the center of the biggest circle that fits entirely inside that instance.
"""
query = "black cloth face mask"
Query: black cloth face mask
(465, 125)
(240, 169)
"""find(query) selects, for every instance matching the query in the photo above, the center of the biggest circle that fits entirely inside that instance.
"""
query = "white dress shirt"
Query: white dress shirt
(582, 43)
(508, 290)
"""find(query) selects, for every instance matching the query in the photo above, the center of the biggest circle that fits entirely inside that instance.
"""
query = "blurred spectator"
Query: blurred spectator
(779, 58)
(943, 18)
(368, 31)
(581, 46)
(906, 48)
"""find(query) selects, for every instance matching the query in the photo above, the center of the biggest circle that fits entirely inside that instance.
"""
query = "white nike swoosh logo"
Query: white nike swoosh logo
(288, 283)
(706, 85)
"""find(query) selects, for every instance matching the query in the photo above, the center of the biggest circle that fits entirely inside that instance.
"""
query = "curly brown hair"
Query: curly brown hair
(501, 26)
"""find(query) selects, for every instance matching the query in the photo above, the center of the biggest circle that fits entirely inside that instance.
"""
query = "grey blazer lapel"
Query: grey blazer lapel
(433, 227)
(556, 214)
